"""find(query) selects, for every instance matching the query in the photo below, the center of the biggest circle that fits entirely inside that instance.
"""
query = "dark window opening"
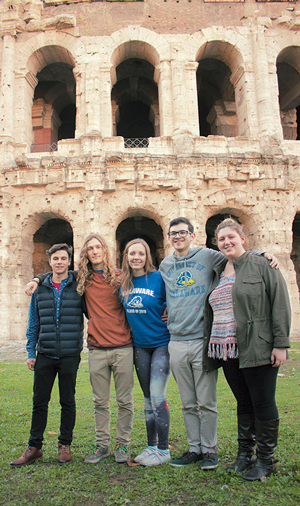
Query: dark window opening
(53, 231)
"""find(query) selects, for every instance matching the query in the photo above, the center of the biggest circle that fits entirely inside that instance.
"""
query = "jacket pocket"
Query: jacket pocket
(252, 286)
(265, 336)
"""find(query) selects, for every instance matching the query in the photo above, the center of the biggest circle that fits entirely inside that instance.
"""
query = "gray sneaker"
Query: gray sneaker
(98, 454)
(121, 453)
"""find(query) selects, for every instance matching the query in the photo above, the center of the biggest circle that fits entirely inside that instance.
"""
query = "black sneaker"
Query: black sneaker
(186, 459)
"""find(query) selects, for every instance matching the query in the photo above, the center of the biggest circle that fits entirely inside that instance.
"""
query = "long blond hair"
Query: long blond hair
(126, 275)
(85, 271)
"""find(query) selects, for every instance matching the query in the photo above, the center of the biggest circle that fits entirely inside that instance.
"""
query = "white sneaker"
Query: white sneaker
(155, 459)
(143, 455)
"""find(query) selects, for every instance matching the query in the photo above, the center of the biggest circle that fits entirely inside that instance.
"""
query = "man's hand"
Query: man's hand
(31, 363)
(164, 316)
(278, 357)
(31, 287)
(273, 259)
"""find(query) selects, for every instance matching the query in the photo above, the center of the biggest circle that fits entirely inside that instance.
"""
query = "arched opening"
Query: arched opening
(288, 75)
(144, 228)
(211, 226)
(54, 101)
(295, 254)
(53, 231)
(216, 99)
(135, 102)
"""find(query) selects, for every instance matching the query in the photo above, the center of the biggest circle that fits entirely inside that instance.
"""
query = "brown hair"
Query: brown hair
(85, 271)
(126, 275)
(60, 247)
(231, 223)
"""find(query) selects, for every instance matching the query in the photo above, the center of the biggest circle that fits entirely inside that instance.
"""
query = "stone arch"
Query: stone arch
(220, 63)
(144, 224)
(134, 95)
(216, 211)
(40, 231)
(141, 41)
(54, 93)
(288, 75)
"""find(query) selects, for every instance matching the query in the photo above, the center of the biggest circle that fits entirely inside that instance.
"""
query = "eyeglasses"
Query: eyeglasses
(180, 233)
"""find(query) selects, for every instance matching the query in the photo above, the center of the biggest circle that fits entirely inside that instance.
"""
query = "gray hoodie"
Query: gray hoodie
(188, 280)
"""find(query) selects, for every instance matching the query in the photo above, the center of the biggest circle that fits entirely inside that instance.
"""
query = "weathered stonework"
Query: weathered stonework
(248, 166)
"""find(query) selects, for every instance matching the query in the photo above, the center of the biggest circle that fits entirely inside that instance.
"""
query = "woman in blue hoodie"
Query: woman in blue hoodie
(143, 294)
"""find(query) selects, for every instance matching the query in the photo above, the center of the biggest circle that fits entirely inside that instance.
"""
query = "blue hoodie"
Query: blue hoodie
(188, 280)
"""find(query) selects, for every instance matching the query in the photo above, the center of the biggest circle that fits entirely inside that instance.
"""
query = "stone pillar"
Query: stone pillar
(264, 101)
(45, 122)
(114, 108)
(93, 99)
(81, 119)
(185, 103)
(24, 86)
(244, 117)
(289, 124)
(7, 97)
(180, 97)
(163, 78)
(192, 98)
(106, 117)
(154, 118)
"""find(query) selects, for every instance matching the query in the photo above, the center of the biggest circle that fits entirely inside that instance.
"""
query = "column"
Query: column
(7, 101)
(106, 117)
(262, 83)
(163, 78)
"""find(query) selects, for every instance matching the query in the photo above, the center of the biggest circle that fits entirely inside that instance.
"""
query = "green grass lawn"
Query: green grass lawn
(107, 483)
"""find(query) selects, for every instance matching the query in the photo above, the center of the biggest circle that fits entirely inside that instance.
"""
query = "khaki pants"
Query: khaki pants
(102, 363)
(198, 395)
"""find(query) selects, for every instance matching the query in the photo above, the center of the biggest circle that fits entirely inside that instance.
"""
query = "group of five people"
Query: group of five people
(226, 308)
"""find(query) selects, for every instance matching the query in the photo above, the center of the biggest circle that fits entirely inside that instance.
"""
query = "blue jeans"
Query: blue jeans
(153, 371)
(45, 372)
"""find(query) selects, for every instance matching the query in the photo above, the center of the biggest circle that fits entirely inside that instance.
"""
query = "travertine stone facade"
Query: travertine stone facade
(248, 166)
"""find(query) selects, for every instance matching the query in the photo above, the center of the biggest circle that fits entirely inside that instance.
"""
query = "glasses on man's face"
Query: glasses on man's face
(180, 233)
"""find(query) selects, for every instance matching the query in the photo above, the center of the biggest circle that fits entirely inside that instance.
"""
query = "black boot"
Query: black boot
(246, 443)
(266, 438)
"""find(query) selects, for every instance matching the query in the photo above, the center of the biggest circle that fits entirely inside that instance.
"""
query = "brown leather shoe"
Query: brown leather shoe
(64, 454)
(30, 455)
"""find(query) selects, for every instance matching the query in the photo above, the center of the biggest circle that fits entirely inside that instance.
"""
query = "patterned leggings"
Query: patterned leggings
(153, 370)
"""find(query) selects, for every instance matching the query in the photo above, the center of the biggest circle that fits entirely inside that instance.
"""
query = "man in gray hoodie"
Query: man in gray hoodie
(188, 275)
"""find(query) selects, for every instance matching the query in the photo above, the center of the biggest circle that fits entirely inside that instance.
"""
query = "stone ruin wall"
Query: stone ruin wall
(93, 182)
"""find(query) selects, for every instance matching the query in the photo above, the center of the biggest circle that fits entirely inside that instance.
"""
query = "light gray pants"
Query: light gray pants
(198, 394)
(102, 363)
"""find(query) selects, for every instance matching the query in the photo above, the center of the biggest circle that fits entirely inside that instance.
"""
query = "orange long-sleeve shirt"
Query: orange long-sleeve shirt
(108, 326)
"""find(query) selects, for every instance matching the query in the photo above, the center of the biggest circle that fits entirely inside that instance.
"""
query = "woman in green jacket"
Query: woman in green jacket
(248, 316)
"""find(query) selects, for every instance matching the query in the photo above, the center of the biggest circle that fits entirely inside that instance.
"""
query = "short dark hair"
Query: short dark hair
(177, 221)
(58, 247)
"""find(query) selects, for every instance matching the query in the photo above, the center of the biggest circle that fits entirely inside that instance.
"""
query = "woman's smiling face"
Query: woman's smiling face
(230, 242)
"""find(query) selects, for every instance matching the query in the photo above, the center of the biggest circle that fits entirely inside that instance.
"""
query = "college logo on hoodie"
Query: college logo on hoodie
(135, 302)
(184, 279)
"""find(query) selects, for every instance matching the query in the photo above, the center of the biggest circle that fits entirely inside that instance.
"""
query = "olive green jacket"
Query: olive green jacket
(261, 310)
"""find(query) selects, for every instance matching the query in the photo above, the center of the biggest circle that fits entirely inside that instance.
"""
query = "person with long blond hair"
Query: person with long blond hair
(143, 294)
(110, 347)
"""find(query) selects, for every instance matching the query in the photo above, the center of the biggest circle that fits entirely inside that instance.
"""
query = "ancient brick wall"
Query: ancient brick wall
(247, 166)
